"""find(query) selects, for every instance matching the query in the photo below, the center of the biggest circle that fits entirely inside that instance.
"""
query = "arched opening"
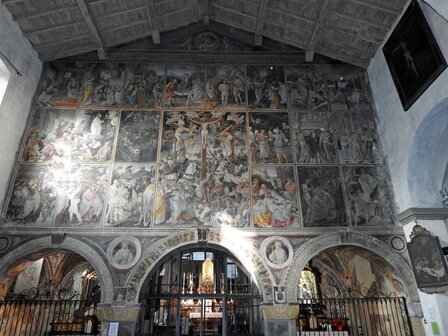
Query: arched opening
(351, 289)
(49, 293)
(199, 291)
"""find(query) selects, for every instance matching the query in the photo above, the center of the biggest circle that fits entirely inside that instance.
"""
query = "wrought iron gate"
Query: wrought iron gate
(47, 317)
(386, 316)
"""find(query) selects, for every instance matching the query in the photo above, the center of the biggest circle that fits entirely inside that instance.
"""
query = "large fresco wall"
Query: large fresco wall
(181, 145)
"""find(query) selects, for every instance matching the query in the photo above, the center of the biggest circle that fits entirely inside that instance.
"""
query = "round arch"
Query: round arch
(428, 158)
(72, 245)
(316, 245)
(241, 249)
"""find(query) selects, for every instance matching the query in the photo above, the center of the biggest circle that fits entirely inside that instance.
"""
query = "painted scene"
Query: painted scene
(347, 89)
(49, 135)
(61, 84)
(266, 88)
(270, 138)
(82, 192)
(306, 88)
(92, 137)
(225, 87)
(369, 201)
(131, 196)
(314, 138)
(321, 197)
(144, 85)
(184, 88)
(274, 197)
(33, 197)
(103, 85)
(138, 136)
(356, 138)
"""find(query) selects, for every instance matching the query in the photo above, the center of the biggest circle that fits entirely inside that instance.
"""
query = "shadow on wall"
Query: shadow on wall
(428, 158)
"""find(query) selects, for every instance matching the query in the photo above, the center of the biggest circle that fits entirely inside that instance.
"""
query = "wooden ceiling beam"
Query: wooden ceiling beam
(358, 35)
(322, 7)
(59, 42)
(380, 8)
(153, 22)
(370, 23)
(233, 11)
(294, 16)
(261, 17)
(50, 28)
(48, 12)
(7, 2)
(132, 24)
(125, 11)
(94, 31)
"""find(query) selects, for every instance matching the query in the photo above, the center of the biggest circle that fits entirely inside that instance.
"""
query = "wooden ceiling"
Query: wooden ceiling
(347, 30)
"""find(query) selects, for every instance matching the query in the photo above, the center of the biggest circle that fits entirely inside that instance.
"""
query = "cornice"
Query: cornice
(242, 57)
(413, 214)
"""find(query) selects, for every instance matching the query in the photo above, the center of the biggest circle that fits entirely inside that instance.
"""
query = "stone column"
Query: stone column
(126, 316)
(280, 320)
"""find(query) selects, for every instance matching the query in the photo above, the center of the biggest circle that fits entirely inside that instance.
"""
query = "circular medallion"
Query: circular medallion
(124, 252)
(4, 243)
(277, 251)
(206, 41)
(398, 243)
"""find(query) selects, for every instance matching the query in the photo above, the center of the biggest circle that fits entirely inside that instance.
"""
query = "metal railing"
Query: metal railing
(47, 317)
(387, 316)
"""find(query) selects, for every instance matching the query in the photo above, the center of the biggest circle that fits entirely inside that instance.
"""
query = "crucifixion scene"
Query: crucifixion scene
(203, 175)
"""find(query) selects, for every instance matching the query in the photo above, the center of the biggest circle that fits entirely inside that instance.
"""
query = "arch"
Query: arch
(236, 245)
(70, 244)
(428, 158)
(316, 245)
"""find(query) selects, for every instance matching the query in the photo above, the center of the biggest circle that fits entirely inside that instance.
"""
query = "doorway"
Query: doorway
(200, 292)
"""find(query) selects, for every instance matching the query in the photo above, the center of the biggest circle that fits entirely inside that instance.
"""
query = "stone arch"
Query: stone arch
(71, 244)
(428, 158)
(241, 249)
(316, 245)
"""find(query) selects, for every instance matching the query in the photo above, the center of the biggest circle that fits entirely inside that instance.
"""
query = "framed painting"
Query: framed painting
(428, 262)
(413, 56)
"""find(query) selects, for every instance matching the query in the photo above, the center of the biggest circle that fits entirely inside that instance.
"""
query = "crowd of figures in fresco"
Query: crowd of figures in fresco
(144, 145)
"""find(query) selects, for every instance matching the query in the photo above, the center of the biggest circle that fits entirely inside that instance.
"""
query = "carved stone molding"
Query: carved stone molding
(413, 214)
(198, 57)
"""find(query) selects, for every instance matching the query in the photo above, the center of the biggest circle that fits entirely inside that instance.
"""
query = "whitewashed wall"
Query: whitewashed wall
(399, 129)
(19, 94)
(416, 147)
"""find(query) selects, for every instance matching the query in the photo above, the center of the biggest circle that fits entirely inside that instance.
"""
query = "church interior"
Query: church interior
(211, 167)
